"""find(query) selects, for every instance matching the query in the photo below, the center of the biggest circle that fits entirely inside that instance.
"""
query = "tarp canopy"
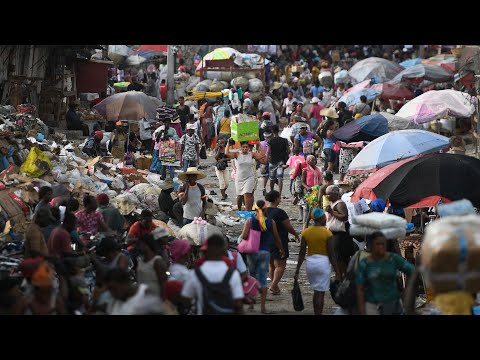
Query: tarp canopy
(374, 68)
(435, 104)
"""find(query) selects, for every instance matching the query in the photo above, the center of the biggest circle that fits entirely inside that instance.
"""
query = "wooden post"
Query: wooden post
(170, 74)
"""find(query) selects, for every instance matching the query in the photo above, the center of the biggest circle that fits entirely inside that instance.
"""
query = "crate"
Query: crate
(244, 131)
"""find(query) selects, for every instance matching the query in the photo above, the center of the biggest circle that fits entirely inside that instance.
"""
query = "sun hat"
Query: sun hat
(125, 205)
(329, 112)
(190, 127)
(191, 171)
(314, 100)
(98, 135)
(167, 184)
(276, 85)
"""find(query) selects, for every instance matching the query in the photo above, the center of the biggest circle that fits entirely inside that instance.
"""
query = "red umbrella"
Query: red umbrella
(394, 91)
(366, 189)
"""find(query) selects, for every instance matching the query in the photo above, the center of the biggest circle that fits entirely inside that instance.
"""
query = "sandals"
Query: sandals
(275, 292)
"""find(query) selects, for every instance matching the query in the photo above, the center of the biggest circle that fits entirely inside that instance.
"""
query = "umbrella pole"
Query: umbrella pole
(421, 220)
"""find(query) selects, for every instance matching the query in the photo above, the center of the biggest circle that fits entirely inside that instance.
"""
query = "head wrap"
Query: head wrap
(178, 248)
(261, 217)
(378, 205)
(102, 199)
(317, 213)
(317, 175)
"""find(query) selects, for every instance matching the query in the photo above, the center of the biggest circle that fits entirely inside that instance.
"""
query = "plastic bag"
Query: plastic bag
(297, 299)
(37, 163)
(380, 220)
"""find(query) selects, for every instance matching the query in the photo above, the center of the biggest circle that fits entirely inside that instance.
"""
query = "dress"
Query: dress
(245, 179)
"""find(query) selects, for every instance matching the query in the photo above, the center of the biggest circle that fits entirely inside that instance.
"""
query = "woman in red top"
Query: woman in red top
(311, 176)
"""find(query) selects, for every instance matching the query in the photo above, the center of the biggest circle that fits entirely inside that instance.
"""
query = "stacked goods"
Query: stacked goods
(255, 85)
(203, 85)
(458, 208)
(198, 95)
(244, 128)
(216, 86)
(391, 226)
(240, 82)
(451, 254)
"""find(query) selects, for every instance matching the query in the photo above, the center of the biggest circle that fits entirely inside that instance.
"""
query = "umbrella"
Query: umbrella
(397, 123)
(417, 73)
(395, 146)
(130, 105)
(367, 128)
(153, 49)
(411, 62)
(219, 54)
(447, 61)
(360, 86)
(423, 181)
(373, 67)
(436, 104)
(135, 59)
(353, 97)
(393, 91)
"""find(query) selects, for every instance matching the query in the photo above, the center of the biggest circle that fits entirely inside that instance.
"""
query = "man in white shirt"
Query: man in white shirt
(358, 208)
(214, 271)
(146, 133)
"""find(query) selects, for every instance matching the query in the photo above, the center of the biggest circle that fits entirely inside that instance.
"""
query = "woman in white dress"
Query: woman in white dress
(245, 174)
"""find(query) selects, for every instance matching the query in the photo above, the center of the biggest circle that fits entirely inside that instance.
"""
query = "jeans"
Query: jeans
(170, 168)
(189, 163)
(258, 266)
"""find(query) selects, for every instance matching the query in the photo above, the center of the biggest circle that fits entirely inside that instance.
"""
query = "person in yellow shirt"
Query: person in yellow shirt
(317, 244)
(288, 72)
(315, 71)
(224, 130)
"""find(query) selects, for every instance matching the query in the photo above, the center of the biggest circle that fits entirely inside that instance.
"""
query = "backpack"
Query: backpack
(217, 297)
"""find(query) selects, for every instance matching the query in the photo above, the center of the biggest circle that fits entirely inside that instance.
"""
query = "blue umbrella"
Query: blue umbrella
(395, 146)
(411, 62)
(367, 128)
(353, 97)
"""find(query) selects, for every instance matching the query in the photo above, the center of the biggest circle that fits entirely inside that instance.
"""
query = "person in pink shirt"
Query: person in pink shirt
(314, 117)
(292, 163)
(89, 220)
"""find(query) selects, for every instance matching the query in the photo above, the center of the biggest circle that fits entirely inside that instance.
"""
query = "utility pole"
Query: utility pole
(170, 73)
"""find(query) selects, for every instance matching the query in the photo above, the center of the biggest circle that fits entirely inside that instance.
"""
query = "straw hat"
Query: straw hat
(329, 112)
(168, 184)
(314, 100)
(125, 205)
(191, 171)
(276, 85)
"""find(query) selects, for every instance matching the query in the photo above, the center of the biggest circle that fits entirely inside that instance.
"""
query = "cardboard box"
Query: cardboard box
(143, 163)
(246, 130)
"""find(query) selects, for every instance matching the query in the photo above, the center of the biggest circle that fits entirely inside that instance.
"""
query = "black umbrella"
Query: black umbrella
(451, 176)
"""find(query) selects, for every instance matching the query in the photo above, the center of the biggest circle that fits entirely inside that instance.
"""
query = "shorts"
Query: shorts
(330, 155)
(266, 172)
(344, 247)
(276, 170)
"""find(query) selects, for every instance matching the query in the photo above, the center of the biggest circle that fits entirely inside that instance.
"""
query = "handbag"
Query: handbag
(203, 152)
(345, 293)
(252, 244)
(336, 147)
(297, 299)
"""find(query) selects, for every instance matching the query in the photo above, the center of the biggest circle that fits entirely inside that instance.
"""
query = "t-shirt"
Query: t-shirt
(314, 90)
(34, 240)
(179, 272)
(194, 205)
(293, 162)
(190, 144)
(59, 242)
(165, 201)
(354, 209)
(362, 108)
(296, 128)
(379, 277)
(113, 218)
(42, 205)
(225, 126)
(137, 230)
(145, 133)
(316, 238)
(302, 139)
(88, 223)
(278, 150)
(279, 216)
(183, 114)
(315, 111)
(267, 242)
(288, 104)
(214, 271)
